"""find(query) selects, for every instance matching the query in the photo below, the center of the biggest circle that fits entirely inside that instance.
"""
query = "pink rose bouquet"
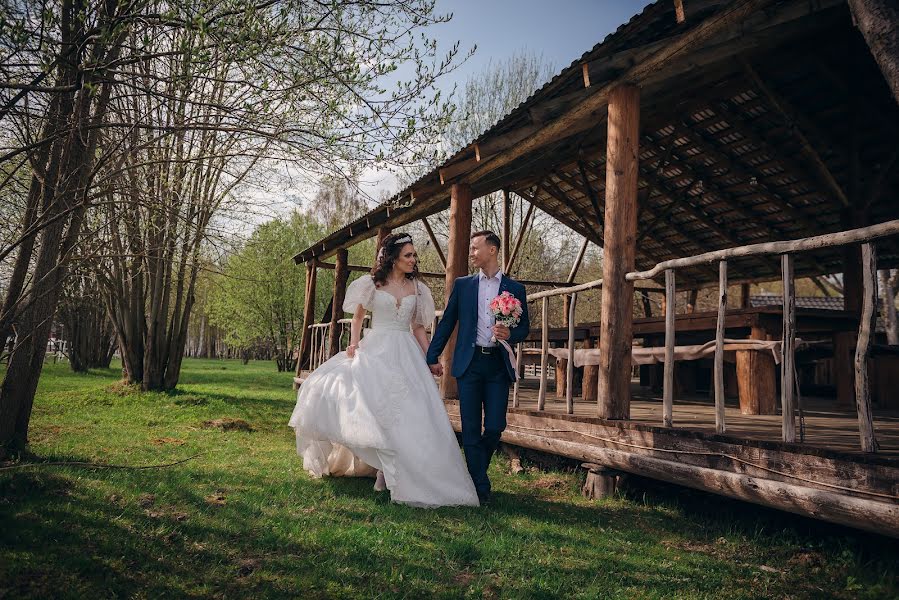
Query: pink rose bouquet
(506, 309)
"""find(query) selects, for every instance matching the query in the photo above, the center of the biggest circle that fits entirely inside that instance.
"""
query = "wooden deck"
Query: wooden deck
(827, 477)
(826, 426)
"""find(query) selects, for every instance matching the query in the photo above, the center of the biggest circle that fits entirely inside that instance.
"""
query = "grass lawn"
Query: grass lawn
(243, 519)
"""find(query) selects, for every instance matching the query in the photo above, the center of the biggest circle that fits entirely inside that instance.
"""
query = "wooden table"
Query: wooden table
(756, 372)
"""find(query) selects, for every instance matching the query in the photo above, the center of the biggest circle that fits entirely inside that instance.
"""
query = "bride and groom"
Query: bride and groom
(375, 409)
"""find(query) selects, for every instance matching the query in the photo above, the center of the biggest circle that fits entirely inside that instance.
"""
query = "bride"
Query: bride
(377, 403)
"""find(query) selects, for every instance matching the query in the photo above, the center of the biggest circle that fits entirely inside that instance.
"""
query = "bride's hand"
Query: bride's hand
(351, 350)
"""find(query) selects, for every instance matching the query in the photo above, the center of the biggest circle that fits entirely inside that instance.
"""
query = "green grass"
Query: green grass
(244, 520)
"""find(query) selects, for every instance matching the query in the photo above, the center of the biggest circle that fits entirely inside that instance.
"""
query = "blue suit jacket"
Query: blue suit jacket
(462, 308)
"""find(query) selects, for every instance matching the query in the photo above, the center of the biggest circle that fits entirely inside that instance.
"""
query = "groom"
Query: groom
(481, 366)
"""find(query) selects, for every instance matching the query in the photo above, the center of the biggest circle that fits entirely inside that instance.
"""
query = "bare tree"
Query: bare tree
(154, 113)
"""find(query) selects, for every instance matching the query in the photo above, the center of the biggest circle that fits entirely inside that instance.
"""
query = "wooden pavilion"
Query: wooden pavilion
(705, 143)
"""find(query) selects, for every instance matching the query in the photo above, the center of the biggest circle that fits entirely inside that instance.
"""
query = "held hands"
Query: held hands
(501, 332)
(351, 350)
(436, 369)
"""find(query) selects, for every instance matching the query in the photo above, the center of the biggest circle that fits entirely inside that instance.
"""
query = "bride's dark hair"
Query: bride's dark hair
(390, 249)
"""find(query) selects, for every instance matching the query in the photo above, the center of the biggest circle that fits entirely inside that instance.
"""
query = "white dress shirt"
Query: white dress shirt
(488, 289)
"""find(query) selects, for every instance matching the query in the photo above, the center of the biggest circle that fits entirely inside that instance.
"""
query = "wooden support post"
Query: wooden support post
(308, 317)
(560, 379)
(679, 15)
(601, 481)
(756, 378)
(866, 328)
(577, 261)
(383, 232)
(341, 274)
(668, 377)
(590, 381)
(544, 352)
(691, 301)
(569, 375)
(719, 348)
(647, 305)
(744, 295)
(507, 228)
(507, 268)
(876, 20)
(434, 242)
(456, 266)
(788, 343)
(616, 322)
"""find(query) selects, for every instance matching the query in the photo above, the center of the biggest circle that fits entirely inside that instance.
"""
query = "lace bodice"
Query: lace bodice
(386, 312)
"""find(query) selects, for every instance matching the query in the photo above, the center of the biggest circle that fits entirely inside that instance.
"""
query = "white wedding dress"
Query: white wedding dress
(383, 407)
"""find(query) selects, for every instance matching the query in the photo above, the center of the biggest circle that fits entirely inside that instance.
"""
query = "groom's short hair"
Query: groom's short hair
(489, 237)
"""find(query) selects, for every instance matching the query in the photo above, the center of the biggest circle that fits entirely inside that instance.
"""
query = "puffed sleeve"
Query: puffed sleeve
(424, 305)
(361, 291)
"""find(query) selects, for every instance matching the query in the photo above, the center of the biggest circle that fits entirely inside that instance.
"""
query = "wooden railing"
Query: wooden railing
(786, 250)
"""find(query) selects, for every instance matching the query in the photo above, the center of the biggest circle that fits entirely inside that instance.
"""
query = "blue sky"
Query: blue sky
(560, 30)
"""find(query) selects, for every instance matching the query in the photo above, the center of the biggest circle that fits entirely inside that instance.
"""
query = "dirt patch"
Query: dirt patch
(146, 500)
(246, 566)
(228, 424)
(216, 499)
(549, 482)
(120, 388)
(167, 440)
(808, 560)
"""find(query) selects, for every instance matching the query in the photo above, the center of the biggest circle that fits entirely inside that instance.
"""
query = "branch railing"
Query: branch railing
(787, 250)
(864, 236)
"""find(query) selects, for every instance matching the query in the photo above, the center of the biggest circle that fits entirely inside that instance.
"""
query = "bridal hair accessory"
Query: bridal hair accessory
(406, 239)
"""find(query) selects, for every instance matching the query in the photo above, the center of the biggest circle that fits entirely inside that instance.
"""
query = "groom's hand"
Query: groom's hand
(436, 369)
(501, 332)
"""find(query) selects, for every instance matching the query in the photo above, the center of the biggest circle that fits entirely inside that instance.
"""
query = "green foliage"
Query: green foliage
(260, 294)
(242, 519)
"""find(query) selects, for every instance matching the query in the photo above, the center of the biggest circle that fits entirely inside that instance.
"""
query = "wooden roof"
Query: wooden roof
(770, 129)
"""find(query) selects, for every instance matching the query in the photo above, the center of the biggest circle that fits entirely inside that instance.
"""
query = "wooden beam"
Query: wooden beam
(840, 238)
(582, 115)
(507, 268)
(383, 232)
(507, 227)
(456, 266)
(433, 238)
(668, 376)
(863, 349)
(876, 516)
(308, 316)
(679, 15)
(569, 372)
(616, 319)
(788, 341)
(790, 116)
(720, 426)
(577, 261)
(341, 274)
(876, 19)
(544, 352)
(585, 71)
